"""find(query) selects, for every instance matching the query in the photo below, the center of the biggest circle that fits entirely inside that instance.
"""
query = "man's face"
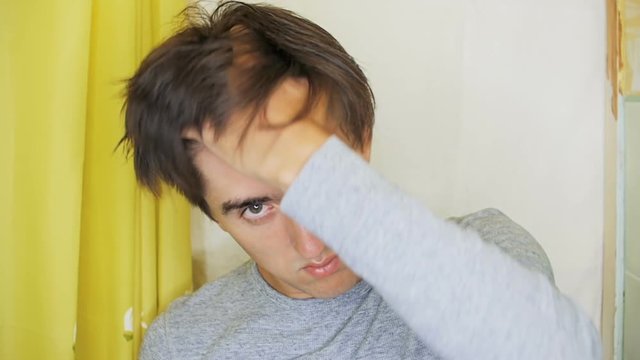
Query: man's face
(292, 260)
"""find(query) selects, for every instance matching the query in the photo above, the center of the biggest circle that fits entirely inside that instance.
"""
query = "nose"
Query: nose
(305, 243)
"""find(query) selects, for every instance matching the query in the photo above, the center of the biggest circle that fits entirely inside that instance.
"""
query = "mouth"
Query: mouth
(325, 268)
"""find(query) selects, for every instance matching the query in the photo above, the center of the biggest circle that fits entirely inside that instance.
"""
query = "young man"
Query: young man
(263, 121)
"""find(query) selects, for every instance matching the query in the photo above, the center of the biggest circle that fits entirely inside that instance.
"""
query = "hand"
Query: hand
(275, 148)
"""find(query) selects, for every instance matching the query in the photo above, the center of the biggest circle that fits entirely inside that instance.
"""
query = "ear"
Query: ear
(203, 137)
(191, 133)
(366, 151)
(206, 136)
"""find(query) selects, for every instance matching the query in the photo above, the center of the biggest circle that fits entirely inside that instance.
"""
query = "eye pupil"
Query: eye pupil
(255, 208)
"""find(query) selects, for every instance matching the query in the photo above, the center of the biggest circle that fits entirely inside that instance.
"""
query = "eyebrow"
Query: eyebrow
(231, 205)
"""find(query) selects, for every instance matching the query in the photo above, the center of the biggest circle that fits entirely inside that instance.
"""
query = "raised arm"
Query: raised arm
(465, 297)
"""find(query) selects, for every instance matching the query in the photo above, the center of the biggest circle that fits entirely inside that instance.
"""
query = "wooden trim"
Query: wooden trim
(629, 47)
(614, 28)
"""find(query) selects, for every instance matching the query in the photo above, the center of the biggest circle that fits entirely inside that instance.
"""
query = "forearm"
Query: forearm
(464, 297)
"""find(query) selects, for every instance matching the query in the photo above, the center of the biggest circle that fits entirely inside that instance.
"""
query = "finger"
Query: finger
(287, 101)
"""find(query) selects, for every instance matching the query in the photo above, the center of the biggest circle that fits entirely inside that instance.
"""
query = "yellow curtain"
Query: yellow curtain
(87, 259)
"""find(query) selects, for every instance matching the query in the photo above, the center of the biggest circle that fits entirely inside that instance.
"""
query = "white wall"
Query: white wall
(483, 104)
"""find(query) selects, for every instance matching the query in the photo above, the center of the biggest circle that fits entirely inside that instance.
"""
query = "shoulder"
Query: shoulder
(200, 315)
(222, 292)
(495, 227)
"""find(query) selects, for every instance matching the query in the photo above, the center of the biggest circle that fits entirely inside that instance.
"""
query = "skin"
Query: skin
(245, 183)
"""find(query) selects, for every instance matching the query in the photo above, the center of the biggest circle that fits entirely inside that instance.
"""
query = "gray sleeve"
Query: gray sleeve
(155, 345)
(495, 227)
(463, 296)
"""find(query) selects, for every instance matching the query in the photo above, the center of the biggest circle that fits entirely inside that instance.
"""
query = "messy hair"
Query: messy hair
(194, 77)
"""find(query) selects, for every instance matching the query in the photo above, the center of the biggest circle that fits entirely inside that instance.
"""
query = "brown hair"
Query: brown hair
(187, 80)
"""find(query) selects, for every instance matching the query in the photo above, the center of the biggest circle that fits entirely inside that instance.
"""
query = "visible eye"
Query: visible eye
(256, 211)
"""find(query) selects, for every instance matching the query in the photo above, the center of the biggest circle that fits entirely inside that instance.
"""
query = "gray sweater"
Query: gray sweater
(476, 287)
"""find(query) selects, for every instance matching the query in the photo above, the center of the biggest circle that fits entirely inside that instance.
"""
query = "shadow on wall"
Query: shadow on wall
(214, 251)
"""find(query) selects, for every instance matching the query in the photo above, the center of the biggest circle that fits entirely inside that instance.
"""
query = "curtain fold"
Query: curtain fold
(87, 258)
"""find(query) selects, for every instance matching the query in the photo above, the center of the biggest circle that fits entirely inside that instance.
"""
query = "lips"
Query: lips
(324, 269)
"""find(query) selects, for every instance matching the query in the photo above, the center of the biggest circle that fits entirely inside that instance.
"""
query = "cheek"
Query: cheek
(266, 242)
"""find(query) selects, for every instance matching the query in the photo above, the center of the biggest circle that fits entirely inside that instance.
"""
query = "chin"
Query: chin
(335, 288)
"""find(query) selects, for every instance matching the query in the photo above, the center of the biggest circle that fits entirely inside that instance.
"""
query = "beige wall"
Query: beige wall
(483, 104)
